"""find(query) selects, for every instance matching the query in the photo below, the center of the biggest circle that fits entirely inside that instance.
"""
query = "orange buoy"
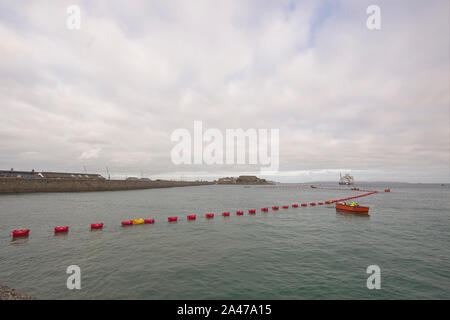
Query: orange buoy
(172, 219)
(149, 221)
(387, 190)
(97, 225)
(225, 214)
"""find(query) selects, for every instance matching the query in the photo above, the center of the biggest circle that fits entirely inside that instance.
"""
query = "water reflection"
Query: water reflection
(350, 215)
(19, 241)
(61, 234)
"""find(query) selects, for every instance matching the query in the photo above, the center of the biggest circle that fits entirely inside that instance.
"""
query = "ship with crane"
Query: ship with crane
(346, 179)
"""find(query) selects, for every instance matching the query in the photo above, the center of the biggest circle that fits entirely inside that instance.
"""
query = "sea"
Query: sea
(308, 252)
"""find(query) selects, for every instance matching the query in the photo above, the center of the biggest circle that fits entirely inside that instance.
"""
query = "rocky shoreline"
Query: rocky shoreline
(7, 293)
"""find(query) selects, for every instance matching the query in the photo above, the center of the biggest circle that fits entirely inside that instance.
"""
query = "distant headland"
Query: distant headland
(243, 180)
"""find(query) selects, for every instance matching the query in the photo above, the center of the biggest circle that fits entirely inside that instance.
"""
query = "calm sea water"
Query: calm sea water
(299, 253)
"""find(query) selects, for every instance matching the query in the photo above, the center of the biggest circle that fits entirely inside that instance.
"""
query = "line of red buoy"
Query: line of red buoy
(97, 225)
(65, 229)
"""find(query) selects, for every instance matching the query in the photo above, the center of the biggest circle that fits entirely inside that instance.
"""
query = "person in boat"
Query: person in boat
(352, 204)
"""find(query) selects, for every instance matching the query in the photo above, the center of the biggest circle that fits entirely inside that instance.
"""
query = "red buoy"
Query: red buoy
(285, 207)
(312, 203)
(275, 208)
(239, 213)
(252, 211)
(209, 215)
(225, 214)
(295, 205)
(172, 219)
(127, 223)
(320, 203)
(265, 209)
(97, 225)
(192, 217)
(304, 204)
(21, 233)
(149, 221)
(61, 229)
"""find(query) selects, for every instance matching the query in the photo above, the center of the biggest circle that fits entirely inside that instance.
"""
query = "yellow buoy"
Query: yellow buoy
(138, 221)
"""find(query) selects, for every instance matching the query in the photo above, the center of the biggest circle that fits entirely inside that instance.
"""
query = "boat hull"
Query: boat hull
(352, 209)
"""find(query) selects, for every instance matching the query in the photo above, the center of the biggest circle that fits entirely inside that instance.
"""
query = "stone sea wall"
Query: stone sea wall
(20, 185)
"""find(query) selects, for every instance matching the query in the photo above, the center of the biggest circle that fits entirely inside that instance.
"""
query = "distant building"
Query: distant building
(48, 175)
(64, 175)
(227, 180)
(20, 174)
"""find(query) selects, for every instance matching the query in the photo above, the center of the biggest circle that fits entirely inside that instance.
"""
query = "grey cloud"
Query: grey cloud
(341, 95)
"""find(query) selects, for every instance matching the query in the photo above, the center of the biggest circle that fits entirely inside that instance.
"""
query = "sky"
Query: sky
(372, 103)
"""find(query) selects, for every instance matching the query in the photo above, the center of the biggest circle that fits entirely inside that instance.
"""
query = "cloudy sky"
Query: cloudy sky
(374, 103)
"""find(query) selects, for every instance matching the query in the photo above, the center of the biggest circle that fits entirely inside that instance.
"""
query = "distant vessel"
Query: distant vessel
(345, 180)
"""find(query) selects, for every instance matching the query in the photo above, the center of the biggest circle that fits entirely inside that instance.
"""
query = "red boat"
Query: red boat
(340, 207)
(21, 233)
